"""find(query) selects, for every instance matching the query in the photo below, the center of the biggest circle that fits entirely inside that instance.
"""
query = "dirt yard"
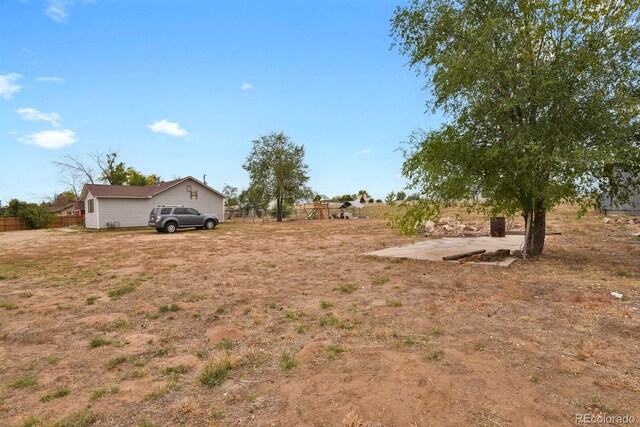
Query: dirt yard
(289, 324)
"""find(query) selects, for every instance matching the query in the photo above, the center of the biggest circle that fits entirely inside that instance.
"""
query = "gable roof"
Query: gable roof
(136, 191)
(352, 204)
(63, 207)
(60, 208)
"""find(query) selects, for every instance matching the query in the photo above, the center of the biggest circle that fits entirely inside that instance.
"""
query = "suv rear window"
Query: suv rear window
(165, 211)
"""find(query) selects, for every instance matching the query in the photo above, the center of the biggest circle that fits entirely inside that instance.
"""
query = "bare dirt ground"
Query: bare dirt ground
(116, 328)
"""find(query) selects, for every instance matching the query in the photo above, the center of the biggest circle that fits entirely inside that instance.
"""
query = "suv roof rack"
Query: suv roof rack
(171, 206)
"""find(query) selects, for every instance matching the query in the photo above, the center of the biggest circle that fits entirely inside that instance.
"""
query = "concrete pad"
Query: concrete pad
(435, 249)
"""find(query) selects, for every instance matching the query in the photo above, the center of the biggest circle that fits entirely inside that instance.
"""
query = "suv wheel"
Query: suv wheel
(170, 228)
(210, 224)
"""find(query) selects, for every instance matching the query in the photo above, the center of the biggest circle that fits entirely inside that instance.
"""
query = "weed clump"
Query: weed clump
(98, 342)
(347, 288)
(216, 372)
(380, 280)
(24, 381)
(287, 362)
(55, 395)
(435, 355)
(334, 351)
(117, 293)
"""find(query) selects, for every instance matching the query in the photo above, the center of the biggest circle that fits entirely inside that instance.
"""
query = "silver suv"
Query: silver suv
(171, 217)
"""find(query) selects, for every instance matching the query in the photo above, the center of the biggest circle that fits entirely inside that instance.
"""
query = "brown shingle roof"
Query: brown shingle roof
(59, 208)
(136, 191)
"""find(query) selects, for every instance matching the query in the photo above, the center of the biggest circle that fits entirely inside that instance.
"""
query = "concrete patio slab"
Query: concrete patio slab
(435, 249)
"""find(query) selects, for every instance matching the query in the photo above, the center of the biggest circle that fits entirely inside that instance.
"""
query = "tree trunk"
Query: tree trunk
(279, 210)
(535, 237)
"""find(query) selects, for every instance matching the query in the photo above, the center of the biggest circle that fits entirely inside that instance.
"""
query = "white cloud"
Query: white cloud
(51, 80)
(364, 152)
(8, 85)
(165, 126)
(57, 10)
(246, 86)
(24, 49)
(51, 139)
(35, 115)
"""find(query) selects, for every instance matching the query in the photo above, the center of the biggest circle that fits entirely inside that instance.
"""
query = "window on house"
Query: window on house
(194, 195)
(90, 206)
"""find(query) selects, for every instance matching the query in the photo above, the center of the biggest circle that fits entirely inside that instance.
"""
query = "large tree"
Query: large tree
(76, 172)
(230, 195)
(541, 98)
(276, 167)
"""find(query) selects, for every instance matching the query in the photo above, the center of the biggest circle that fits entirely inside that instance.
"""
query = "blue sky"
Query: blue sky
(182, 87)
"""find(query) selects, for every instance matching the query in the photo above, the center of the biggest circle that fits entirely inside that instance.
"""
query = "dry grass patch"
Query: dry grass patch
(290, 285)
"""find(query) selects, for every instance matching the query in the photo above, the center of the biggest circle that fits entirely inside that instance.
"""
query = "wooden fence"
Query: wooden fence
(13, 224)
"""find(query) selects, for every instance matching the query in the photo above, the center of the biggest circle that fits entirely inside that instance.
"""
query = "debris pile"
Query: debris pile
(452, 227)
(614, 219)
(480, 255)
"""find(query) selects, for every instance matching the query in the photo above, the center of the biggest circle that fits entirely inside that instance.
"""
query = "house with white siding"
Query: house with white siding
(112, 206)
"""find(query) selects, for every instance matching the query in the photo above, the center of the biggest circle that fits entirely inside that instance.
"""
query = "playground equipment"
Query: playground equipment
(320, 210)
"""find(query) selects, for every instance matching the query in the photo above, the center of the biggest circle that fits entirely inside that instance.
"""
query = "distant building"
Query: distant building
(69, 209)
(612, 207)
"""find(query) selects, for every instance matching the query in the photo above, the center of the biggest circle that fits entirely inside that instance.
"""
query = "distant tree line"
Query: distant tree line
(35, 215)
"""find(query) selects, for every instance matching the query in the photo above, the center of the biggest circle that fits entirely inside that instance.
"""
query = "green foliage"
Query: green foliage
(117, 293)
(541, 98)
(24, 381)
(215, 373)
(113, 172)
(380, 280)
(334, 351)
(325, 305)
(55, 395)
(82, 418)
(135, 177)
(347, 288)
(92, 299)
(7, 305)
(97, 394)
(224, 344)
(33, 421)
(277, 170)
(287, 362)
(99, 342)
(435, 355)
(117, 360)
(254, 197)
(173, 370)
(230, 195)
(36, 216)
